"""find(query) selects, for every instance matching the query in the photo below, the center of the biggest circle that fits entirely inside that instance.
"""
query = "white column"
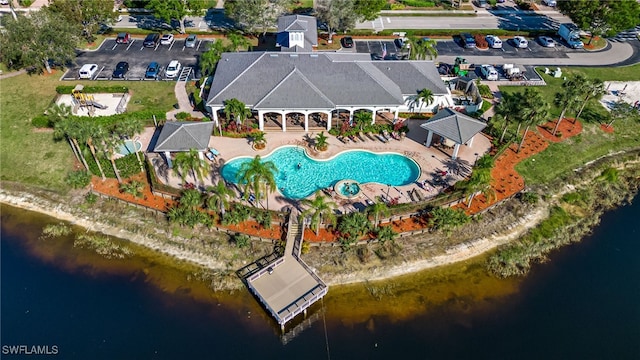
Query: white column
(350, 116)
(374, 112)
(306, 122)
(201, 155)
(470, 142)
(167, 155)
(328, 120)
(261, 120)
(456, 147)
(215, 116)
(429, 138)
(284, 121)
(395, 115)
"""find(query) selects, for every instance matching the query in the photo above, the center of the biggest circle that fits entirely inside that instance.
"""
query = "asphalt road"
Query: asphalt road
(138, 57)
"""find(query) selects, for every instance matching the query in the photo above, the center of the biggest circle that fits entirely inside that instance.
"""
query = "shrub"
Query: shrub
(116, 89)
(481, 41)
(183, 115)
(529, 197)
(485, 91)
(41, 121)
(418, 3)
(91, 198)
(78, 179)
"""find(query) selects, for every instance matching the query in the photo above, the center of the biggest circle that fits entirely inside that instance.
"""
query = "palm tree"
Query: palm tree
(190, 162)
(426, 97)
(362, 118)
(69, 128)
(534, 111)
(321, 141)
(219, 197)
(319, 209)
(236, 109)
(506, 108)
(130, 127)
(379, 208)
(421, 49)
(109, 144)
(385, 234)
(92, 133)
(255, 174)
(238, 41)
(447, 219)
(134, 188)
(209, 59)
(479, 182)
(565, 99)
(621, 110)
(588, 88)
(58, 112)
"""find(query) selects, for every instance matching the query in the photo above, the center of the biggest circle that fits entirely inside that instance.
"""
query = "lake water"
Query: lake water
(583, 304)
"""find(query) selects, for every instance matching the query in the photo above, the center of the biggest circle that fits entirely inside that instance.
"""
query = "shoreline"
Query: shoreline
(457, 253)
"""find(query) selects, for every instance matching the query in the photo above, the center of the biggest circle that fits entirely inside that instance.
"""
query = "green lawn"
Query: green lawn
(32, 157)
(560, 159)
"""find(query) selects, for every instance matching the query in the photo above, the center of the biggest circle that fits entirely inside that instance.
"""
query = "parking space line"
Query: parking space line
(98, 74)
(142, 48)
(130, 45)
(171, 46)
(157, 46)
(198, 47)
(114, 46)
(183, 47)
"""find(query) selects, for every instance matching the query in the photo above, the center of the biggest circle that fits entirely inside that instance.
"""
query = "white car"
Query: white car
(546, 41)
(494, 42)
(166, 39)
(489, 72)
(520, 42)
(173, 69)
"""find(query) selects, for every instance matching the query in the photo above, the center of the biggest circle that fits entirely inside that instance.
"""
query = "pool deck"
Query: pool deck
(432, 161)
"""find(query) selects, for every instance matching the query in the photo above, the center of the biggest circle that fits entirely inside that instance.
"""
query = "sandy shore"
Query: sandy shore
(457, 253)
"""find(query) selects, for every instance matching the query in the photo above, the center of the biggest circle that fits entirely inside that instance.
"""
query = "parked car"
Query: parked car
(520, 42)
(152, 70)
(121, 70)
(489, 72)
(546, 41)
(482, 4)
(173, 69)
(347, 42)
(376, 56)
(402, 43)
(467, 40)
(87, 71)
(551, 3)
(123, 38)
(494, 42)
(191, 41)
(166, 39)
(151, 40)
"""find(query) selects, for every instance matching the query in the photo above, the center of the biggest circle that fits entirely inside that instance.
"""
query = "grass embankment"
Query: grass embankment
(30, 156)
(559, 159)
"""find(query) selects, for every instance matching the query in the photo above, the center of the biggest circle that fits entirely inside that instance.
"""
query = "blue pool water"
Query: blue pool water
(362, 166)
(129, 147)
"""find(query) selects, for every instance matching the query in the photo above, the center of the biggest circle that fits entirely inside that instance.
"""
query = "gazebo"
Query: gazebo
(453, 126)
(182, 136)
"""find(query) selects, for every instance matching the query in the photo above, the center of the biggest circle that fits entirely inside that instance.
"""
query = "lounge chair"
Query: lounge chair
(361, 137)
(382, 138)
(353, 138)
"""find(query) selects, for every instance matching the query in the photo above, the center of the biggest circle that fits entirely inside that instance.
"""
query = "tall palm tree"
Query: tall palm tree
(506, 108)
(479, 182)
(209, 59)
(58, 112)
(130, 127)
(379, 208)
(362, 118)
(565, 99)
(319, 208)
(534, 111)
(108, 145)
(219, 197)
(421, 49)
(68, 128)
(186, 162)
(589, 89)
(236, 109)
(426, 97)
(255, 175)
(93, 133)
(238, 41)
(321, 141)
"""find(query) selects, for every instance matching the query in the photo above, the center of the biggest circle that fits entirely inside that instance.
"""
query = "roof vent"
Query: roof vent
(273, 55)
(388, 68)
(314, 55)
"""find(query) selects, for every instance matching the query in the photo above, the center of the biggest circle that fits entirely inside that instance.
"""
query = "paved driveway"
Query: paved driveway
(138, 57)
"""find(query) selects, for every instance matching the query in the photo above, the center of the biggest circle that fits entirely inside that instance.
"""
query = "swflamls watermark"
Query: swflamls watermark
(30, 350)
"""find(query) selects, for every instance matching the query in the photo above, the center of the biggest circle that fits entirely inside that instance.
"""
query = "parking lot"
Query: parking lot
(455, 48)
(138, 57)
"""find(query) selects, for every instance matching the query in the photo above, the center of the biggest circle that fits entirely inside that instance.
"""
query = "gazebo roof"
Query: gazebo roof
(454, 126)
(178, 136)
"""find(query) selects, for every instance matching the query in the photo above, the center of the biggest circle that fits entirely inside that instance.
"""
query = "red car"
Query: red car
(123, 38)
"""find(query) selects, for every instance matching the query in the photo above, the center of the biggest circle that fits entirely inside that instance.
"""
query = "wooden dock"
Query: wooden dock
(286, 286)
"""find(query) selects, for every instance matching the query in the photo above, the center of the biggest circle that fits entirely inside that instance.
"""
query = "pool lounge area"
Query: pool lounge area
(433, 163)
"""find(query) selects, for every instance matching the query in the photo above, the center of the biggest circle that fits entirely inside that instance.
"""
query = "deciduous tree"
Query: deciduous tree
(168, 10)
(602, 16)
(87, 15)
(339, 15)
(255, 14)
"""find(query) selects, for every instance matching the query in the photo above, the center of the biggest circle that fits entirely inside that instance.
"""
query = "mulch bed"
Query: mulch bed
(568, 127)
(607, 129)
(111, 188)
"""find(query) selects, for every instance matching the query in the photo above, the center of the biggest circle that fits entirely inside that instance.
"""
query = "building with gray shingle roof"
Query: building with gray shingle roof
(297, 33)
(177, 136)
(322, 82)
(455, 126)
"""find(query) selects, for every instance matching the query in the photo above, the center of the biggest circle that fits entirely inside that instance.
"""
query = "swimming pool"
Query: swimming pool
(129, 147)
(362, 166)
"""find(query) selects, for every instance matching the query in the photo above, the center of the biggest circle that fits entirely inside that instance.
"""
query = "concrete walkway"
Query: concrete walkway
(184, 105)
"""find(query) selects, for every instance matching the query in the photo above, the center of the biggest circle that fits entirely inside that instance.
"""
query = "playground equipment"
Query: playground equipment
(80, 99)
(460, 67)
